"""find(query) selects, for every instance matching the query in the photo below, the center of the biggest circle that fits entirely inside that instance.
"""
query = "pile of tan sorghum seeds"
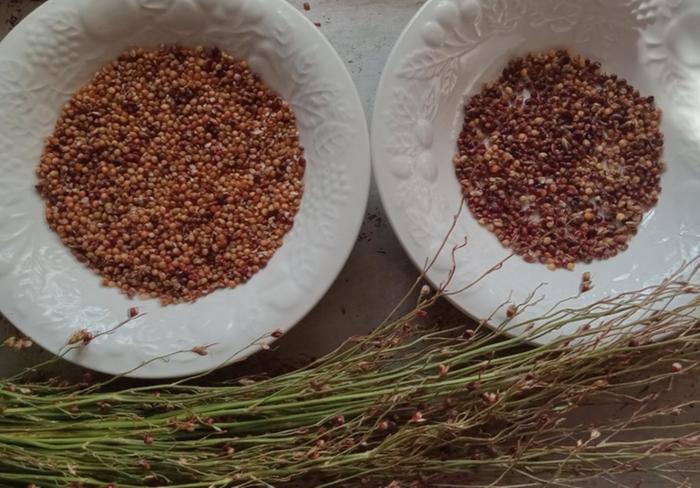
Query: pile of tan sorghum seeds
(173, 173)
(560, 160)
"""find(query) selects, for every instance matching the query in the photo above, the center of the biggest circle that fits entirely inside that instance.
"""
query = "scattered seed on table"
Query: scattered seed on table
(559, 159)
(586, 282)
(173, 173)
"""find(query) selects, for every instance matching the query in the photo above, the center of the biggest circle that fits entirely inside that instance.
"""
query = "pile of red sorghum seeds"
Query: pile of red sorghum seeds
(173, 173)
(560, 160)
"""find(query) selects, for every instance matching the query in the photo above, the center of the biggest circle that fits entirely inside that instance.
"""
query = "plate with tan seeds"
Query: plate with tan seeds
(563, 134)
(177, 179)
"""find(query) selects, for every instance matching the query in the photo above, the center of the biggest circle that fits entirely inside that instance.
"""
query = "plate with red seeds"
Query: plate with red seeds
(177, 179)
(555, 141)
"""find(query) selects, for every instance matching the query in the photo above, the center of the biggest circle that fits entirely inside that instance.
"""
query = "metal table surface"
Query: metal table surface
(378, 272)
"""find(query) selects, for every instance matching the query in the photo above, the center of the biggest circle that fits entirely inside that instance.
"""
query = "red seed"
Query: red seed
(490, 398)
(543, 174)
(174, 188)
(417, 417)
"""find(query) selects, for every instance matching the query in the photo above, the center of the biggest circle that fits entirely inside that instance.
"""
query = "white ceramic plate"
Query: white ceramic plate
(49, 295)
(448, 50)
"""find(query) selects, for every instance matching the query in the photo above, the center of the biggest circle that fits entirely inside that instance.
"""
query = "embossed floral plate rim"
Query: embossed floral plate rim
(48, 295)
(444, 54)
